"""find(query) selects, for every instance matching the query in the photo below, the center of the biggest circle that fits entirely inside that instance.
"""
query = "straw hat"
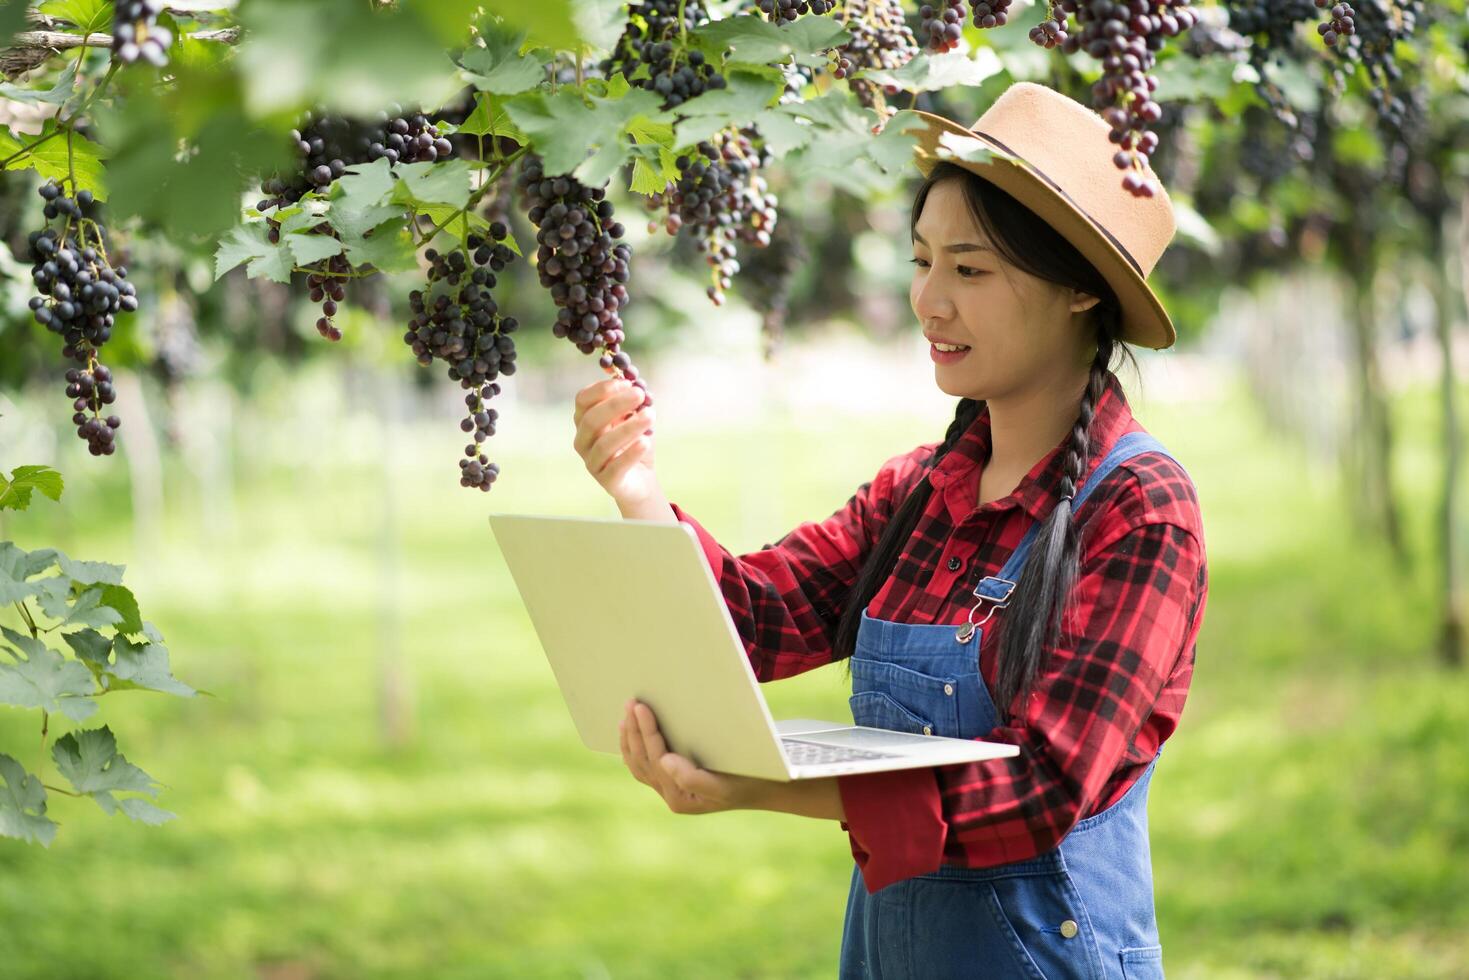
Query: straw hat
(1052, 154)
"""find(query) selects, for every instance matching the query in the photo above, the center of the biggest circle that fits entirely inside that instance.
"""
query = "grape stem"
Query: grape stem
(58, 789)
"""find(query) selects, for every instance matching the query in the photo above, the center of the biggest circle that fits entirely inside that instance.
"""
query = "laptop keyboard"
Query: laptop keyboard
(804, 753)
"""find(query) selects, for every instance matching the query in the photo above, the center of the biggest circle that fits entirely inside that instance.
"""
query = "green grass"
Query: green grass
(1307, 820)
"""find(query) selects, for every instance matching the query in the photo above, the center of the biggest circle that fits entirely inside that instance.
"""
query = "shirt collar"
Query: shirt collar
(957, 475)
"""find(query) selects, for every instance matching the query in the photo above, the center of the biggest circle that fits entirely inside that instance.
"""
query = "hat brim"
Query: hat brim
(1144, 321)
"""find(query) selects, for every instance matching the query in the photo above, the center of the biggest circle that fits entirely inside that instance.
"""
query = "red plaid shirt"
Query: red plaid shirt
(1106, 697)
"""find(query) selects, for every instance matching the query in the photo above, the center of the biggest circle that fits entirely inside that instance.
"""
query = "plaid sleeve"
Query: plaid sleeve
(1139, 606)
(786, 598)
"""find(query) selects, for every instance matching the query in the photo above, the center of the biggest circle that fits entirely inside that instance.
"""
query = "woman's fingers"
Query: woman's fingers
(592, 422)
(617, 439)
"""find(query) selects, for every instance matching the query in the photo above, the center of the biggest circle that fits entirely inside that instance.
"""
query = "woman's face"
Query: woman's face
(1022, 332)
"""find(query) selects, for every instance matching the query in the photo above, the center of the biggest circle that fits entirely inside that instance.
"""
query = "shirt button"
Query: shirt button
(1068, 928)
(954, 563)
(928, 729)
(948, 688)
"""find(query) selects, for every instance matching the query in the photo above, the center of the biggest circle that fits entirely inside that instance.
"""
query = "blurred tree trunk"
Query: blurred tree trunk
(395, 688)
(1369, 442)
(145, 466)
(1446, 304)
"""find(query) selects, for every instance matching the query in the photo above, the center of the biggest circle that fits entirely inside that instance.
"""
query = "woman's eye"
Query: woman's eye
(967, 271)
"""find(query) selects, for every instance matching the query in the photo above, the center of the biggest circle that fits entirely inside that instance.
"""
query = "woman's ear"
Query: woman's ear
(1081, 302)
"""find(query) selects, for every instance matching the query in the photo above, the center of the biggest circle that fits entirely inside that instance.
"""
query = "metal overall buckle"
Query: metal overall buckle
(993, 588)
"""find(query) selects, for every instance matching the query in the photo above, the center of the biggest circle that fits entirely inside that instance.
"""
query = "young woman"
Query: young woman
(1037, 577)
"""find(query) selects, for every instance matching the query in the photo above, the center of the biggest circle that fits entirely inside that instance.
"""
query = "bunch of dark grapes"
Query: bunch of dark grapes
(1342, 21)
(1212, 35)
(653, 38)
(720, 198)
(326, 146)
(941, 27)
(881, 40)
(80, 294)
(1125, 37)
(1051, 32)
(785, 11)
(582, 262)
(136, 34)
(456, 319)
(991, 13)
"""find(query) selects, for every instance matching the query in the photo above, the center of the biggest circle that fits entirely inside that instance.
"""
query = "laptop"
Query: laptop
(630, 608)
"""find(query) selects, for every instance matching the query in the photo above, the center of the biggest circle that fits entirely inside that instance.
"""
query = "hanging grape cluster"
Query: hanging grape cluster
(1341, 23)
(137, 34)
(1051, 32)
(582, 263)
(1124, 37)
(456, 319)
(880, 40)
(652, 38)
(720, 198)
(326, 145)
(79, 297)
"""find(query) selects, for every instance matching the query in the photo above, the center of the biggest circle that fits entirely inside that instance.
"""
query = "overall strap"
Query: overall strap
(998, 587)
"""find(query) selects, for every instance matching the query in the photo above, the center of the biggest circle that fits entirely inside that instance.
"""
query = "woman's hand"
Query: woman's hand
(616, 440)
(684, 786)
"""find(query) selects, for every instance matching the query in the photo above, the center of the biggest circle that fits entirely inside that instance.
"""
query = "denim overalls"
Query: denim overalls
(1082, 910)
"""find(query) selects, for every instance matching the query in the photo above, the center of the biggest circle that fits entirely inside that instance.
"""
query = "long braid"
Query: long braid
(1044, 591)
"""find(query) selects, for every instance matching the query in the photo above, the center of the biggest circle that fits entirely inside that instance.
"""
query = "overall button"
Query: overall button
(954, 563)
(1068, 928)
(948, 688)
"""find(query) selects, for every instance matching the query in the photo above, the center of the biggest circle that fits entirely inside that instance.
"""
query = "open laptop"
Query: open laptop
(630, 608)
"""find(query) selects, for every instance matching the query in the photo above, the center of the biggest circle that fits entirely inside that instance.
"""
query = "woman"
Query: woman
(1038, 577)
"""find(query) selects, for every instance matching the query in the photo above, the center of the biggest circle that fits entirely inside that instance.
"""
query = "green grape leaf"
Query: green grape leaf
(92, 649)
(499, 66)
(91, 763)
(782, 132)
(15, 493)
(50, 159)
(387, 246)
(12, 19)
(45, 679)
(144, 666)
(58, 93)
(247, 243)
(23, 805)
(121, 598)
(647, 178)
(308, 248)
(933, 72)
(757, 41)
(892, 149)
(14, 571)
(433, 183)
(84, 609)
(90, 572)
(489, 118)
(564, 128)
(144, 812)
(549, 23)
(743, 96)
(363, 184)
(89, 16)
